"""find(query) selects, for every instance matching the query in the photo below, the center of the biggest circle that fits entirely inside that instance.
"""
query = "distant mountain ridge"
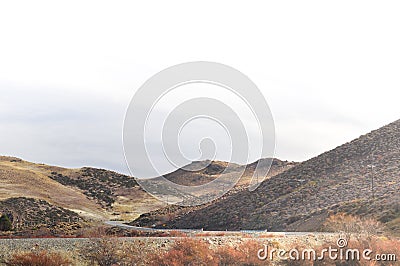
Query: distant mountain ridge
(209, 171)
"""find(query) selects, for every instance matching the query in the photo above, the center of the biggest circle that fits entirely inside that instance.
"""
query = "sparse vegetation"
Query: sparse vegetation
(41, 258)
(243, 254)
(103, 252)
(300, 198)
(98, 184)
(377, 245)
(185, 252)
(197, 252)
(349, 225)
(35, 214)
(5, 223)
(164, 215)
(211, 251)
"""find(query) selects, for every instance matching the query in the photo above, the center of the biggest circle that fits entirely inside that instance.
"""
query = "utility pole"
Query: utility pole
(372, 179)
(257, 176)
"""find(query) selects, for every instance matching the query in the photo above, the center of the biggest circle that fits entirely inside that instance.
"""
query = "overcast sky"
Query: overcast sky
(329, 70)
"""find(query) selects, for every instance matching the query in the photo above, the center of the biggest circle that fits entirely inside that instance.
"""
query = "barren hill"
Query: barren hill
(92, 193)
(31, 214)
(19, 178)
(300, 198)
(209, 171)
(190, 176)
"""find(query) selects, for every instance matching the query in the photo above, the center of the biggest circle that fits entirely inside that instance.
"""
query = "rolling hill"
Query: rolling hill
(300, 198)
(209, 171)
(88, 194)
(94, 194)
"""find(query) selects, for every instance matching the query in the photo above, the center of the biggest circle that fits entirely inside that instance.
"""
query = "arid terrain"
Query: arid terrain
(92, 195)
(303, 196)
(352, 189)
(88, 196)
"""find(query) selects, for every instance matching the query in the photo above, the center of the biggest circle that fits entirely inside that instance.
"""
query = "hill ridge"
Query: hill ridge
(337, 180)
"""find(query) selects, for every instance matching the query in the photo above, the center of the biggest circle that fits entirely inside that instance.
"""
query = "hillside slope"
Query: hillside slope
(31, 214)
(24, 179)
(301, 197)
(210, 172)
(92, 193)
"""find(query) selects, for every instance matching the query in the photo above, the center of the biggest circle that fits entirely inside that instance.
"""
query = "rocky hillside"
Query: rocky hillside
(98, 184)
(32, 214)
(209, 171)
(300, 198)
(190, 176)
(94, 194)
(20, 178)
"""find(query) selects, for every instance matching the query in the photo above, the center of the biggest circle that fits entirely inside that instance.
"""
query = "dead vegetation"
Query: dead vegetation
(353, 226)
(40, 258)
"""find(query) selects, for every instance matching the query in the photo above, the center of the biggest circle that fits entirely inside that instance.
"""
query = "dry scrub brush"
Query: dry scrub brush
(185, 252)
(349, 225)
(197, 252)
(41, 258)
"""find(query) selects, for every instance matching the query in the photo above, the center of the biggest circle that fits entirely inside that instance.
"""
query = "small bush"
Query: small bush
(93, 232)
(103, 252)
(5, 223)
(244, 254)
(378, 245)
(42, 258)
(185, 252)
(228, 256)
(197, 252)
(349, 225)
(137, 253)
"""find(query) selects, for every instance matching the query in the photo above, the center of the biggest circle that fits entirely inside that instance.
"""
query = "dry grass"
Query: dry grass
(25, 179)
(197, 252)
(349, 225)
(378, 245)
(42, 258)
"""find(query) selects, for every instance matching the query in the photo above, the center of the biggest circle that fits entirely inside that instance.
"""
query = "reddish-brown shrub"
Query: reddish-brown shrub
(177, 234)
(243, 254)
(376, 244)
(227, 255)
(197, 252)
(386, 246)
(270, 235)
(249, 251)
(42, 258)
(210, 234)
(93, 232)
(103, 251)
(185, 252)
(349, 225)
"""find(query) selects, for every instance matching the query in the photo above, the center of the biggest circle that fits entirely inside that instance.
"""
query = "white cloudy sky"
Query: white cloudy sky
(329, 70)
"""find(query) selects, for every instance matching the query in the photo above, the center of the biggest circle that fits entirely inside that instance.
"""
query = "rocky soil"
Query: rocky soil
(29, 215)
(73, 247)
